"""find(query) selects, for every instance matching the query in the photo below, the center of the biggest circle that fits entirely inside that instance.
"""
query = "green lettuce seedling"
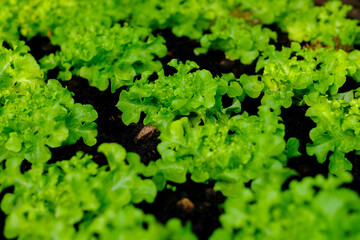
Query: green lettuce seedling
(36, 115)
(237, 39)
(287, 77)
(337, 128)
(87, 52)
(231, 151)
(180, 94)
(313, 208)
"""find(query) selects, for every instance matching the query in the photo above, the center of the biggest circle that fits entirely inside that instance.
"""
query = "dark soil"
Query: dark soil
(355, 161)
(40, 46)
(298, 125)
(192, 202)
(2, 214)
(214, 61)
(282, 37)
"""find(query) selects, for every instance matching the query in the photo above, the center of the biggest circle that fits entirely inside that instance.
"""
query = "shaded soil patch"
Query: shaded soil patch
(214, 61)
(2, 214)
(355, 160)
(194, 202)
(41, 46)
(298, 125)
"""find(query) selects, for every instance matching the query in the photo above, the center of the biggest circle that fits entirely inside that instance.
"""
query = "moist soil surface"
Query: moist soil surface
(191, 202)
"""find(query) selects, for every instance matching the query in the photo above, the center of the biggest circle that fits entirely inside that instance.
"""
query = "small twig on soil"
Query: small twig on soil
(146, 131)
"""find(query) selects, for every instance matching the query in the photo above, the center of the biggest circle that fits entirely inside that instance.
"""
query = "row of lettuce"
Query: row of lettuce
(110, 43)
(119, 31)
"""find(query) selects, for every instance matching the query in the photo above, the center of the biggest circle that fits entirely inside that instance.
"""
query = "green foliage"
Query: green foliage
(188, 18)
(9, 25)
(303, 21)
(337, 128)
(35, 115)
(232, 151)
(252, 86)
(314, 208)
(309, 23)
(287, 77)
(183, 93)
(237, 39)
(32, 17)
(88, 50)
(354, 58)
(267, 11)
(19, 70)
(204, 132)
(79, 193)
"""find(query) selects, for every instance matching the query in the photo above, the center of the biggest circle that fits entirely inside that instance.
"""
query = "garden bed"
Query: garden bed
(197, 202)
